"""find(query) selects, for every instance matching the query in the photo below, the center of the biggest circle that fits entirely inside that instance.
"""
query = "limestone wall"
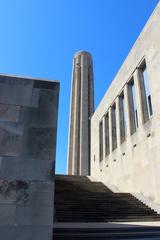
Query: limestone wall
(28, 126)
(133, 166)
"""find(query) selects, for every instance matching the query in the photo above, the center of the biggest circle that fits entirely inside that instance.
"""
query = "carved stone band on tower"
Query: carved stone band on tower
(82, 108)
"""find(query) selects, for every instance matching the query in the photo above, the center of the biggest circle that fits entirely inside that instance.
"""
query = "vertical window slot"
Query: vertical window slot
(114, 128)
(101, 141)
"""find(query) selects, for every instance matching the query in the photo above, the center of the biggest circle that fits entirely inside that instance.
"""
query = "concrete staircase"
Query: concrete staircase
(78, 200)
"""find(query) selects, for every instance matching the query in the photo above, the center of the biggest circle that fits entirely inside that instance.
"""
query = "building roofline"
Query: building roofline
(28, 77)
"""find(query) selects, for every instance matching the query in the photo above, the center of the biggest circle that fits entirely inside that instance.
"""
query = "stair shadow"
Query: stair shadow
(77, 199)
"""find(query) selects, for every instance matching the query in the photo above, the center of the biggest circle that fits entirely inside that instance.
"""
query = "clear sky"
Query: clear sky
(38, 38)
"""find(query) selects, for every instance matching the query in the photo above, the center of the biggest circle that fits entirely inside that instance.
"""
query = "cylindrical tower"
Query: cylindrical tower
(81, 110)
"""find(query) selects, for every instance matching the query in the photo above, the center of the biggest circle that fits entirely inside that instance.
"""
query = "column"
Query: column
(128, 123)
(104, 142)
(118, 122)
(110, 129)
(138, 97)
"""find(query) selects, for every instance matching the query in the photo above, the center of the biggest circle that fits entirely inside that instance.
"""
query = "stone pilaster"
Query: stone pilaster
(110, 128)
(118, 122)
(138, 97)
(127, 109)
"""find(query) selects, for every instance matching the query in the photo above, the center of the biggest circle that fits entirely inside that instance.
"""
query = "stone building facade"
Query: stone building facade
(82, 108)
(125, 128)
(28, 128)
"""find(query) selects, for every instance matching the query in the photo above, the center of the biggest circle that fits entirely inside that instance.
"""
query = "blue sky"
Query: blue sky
(40, 37)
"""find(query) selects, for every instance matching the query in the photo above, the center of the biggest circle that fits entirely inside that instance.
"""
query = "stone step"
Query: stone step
(79, 199)
(84, 219)
(101, 233)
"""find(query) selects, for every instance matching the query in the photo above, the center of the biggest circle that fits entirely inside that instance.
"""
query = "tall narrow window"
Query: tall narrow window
(122, 118)
(114, 128)
(101, 141)
(145, 94)
(107, 145)
(133, 106)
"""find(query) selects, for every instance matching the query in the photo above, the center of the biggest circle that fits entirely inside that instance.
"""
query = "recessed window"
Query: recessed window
(132, 106)
(101, 141)
(122, 118)
(145, 93)
(107, 144)
(114, 127)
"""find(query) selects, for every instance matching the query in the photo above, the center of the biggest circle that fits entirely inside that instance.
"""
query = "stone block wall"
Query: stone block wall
(134, 166)
(28, 128)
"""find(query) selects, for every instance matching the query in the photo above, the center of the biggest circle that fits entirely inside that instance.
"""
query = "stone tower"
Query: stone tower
(82, 108)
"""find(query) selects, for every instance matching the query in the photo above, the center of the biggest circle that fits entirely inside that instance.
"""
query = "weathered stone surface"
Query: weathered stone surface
(11, 81)
(35, 98)
(13, 95)
(41, 142)
(46, 100)
(28, 126)
(16, 191)
(34, 214)
(10, 138)
(24, 168)
(41, 193)
(26, 232)
(46, 85)
(9, 113)
(7, 214)
(36, 117)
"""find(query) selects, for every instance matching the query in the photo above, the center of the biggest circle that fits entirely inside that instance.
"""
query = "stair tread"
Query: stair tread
(77, 198)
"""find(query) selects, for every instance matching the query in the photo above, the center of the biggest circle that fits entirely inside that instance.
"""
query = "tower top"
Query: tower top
(83, 53)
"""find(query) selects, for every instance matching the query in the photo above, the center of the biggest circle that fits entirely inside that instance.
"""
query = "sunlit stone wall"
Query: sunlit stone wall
(134, 165)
